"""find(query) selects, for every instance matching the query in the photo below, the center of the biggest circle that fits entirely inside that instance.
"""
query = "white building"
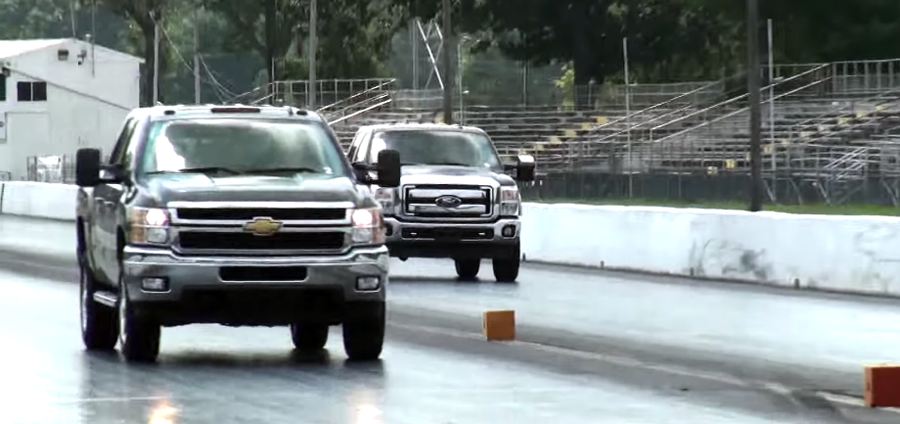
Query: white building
(59, 95)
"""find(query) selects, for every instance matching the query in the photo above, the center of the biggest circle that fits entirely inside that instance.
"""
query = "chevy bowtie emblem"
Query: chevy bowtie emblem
(263, 226)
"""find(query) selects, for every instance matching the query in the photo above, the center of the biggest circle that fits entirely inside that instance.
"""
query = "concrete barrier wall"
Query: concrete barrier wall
(44, 200)
(839, 253)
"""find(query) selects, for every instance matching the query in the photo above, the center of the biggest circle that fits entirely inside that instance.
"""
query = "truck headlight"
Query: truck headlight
(386, 196)
(509, 201)
(148, 226)
(368, 226)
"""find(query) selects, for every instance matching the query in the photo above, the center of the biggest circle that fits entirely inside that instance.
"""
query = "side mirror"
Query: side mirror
(388, 168)
(112, 174)
(361, 170)
(87, 167)
(525, 168)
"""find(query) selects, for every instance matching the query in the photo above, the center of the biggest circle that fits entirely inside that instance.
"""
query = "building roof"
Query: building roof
(13, 48)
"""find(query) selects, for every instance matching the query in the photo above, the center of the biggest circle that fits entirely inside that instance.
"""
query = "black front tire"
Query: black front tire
(467, 269)
(99, 325)
(138, 336)
(363, 331)
(309, 336)
(506, 268)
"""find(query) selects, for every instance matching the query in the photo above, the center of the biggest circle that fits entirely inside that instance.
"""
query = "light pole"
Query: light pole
(445, 53)
(313, 47)
(753, 86)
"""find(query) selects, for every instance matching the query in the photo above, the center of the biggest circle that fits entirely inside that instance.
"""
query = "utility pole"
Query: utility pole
(628, 117)
(753, 86)
(197, 55)
(93, 37)
(445, 53)
(313, 48)
(771, 99)
(155, 57)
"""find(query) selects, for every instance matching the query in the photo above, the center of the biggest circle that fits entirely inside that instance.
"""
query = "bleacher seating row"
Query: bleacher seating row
(809, 131)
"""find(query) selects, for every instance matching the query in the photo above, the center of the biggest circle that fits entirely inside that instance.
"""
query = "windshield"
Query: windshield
(438, 147)
(240, 146)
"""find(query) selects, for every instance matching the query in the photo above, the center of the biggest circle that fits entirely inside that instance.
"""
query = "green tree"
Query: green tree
(267, 27)
(821, 30)
(355, 33)
(144, 14)
(589, 33)
(30, 19)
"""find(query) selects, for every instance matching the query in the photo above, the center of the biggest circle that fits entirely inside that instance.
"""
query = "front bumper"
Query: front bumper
(459, 240)
(185, 274)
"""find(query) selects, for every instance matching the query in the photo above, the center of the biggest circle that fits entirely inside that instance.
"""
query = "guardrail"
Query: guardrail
(852, 254)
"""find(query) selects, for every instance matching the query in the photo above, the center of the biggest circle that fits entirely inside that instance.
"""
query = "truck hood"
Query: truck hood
(165, 188)
(433, 174)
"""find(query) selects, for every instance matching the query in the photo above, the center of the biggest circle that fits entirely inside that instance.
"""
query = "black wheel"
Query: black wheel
(99, 327)
(506, 268)
(309, 336)
(138, 336)
(467, 269)
(364, 331)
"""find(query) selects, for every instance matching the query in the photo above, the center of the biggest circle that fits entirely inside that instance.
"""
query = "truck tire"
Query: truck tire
(138, 336)
(467, 269)
(309, 336)
(99, 326)
(506, 269)
(363, 331)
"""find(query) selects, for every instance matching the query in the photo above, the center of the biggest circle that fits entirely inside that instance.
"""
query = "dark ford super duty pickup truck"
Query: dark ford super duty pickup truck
(241, 216)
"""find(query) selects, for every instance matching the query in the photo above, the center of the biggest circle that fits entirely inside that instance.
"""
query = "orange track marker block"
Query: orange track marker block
(882, 386)
(500, 325)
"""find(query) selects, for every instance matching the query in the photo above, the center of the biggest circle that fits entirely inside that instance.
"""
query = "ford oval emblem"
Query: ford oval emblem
(448, 201)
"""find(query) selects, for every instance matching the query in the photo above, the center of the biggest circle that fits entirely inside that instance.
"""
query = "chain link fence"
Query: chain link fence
(51, 169)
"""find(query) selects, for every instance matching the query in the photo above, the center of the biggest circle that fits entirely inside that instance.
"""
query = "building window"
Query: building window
(31, 91)
(2, 88)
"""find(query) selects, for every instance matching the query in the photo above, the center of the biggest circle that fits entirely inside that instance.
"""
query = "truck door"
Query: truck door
(106, 200)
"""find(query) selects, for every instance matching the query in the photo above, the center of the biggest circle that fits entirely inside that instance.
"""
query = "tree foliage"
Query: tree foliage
(667, 39)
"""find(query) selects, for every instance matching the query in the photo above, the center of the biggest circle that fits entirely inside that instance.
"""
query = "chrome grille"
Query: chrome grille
(218, 228)
(320, 240)
(247, 214)
(425, 201)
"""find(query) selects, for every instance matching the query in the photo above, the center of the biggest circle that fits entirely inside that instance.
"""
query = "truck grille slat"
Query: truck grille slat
(246, 214)
(206, 240)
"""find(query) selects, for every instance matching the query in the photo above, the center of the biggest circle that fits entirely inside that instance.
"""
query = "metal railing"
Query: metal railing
(589, 147)
(356, 99)
(849, 108)
(297, 93)
(712, 109)
(366, 106)
(50, 169)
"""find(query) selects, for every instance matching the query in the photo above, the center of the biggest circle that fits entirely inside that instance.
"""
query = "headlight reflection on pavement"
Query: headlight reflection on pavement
(365, 407)
(163, 413)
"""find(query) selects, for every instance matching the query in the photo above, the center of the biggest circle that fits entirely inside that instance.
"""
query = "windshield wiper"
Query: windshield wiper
(437, 164)
(451, 164)
(202, 170)
(298, 170)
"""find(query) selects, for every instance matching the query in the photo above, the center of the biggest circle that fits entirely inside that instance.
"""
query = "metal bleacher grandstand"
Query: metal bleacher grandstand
(829, 130)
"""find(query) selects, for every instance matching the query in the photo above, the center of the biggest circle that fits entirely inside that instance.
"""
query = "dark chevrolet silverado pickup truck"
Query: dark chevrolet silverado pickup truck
(234, 215)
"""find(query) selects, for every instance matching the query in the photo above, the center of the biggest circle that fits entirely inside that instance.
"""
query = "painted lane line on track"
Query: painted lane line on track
(777, 388)
(95, 400)
(38, 265)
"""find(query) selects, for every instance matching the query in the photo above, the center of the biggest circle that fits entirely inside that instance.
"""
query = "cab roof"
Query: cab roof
(236, 110)
(424, 126)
